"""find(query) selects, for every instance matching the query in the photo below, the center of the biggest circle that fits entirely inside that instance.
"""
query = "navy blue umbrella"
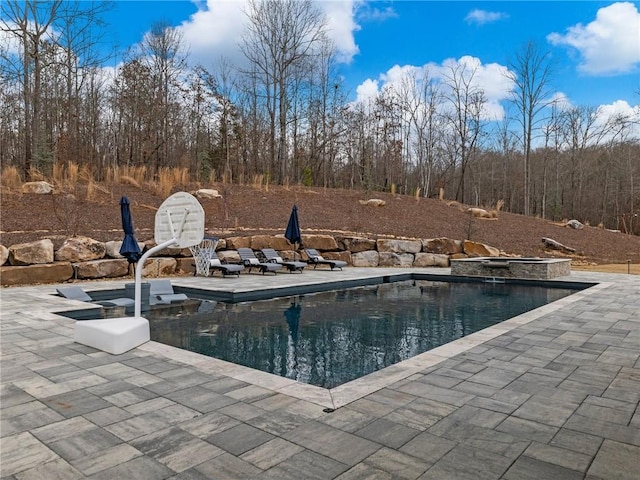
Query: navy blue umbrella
(293, 228)
(130, 248)
(292, 315)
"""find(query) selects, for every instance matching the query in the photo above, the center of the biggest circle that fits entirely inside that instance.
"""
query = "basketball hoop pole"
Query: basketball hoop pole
(140, 266)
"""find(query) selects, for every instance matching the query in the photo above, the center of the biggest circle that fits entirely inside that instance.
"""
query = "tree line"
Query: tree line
(282, 112)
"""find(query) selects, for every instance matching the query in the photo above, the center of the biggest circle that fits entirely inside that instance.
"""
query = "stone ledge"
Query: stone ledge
(40, 273)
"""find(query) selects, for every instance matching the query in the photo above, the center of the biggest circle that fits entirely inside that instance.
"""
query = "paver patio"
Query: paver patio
(552, 394)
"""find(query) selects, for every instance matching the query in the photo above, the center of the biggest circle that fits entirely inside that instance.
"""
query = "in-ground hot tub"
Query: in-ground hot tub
(534, 268)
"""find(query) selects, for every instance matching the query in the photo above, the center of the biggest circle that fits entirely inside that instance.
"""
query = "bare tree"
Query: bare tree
(530, 71)
(29, 22)
(464, 118)
(282, 35)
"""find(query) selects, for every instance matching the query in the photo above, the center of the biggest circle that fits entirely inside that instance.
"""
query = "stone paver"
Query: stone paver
(553, 394)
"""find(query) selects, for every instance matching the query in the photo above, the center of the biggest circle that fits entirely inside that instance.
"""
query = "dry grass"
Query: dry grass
(10, 179)
(633, 269)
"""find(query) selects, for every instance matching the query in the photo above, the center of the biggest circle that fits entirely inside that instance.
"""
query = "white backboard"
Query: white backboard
(181, 217)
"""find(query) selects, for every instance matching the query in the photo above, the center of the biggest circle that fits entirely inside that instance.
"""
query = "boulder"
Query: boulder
(113, 248)
(399, 246)
(370, 258)
(234, 243)
(258, 242)
(431, 260)
(476, 249)
(40, 251)
(553, 245)
(392, 259)
(575, 224)
(109, 268)
(320, 242)
(4, 254)
(356, 244)
(185, 265)
(80, 249)
(445, 246)
(32, 274)
(373, 202)
(479, 213)
(207, 193)
(39, 188)
(159, 267)
(229, 256)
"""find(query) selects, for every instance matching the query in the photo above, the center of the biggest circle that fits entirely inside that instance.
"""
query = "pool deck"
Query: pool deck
(550, 394)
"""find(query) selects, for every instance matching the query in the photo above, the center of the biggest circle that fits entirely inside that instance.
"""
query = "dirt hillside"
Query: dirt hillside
(244, 210)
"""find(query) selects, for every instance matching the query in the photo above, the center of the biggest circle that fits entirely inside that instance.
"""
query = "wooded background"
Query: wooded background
(283, 114)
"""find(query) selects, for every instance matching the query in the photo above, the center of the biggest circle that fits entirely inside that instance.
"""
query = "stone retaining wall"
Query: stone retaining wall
(85, 258)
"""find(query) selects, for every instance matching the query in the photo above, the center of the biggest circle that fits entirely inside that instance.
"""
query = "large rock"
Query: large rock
(475, 249)
(356, 244)
(399, 246)
(431, 260)
(370, 258)
(4, 254)
(185, 265)
(234, 243)
(33, 274)
(479, 213)
(575, 224)
(102, 268)
(40, 188)
(113, 248)
(258, 242)
(80, 249)
(31, 253)
(373, 202)
(159, 267)
(445, 246)
(207, 193)
(229, 256)
(554, 245)
(320, 242)
(392, 259)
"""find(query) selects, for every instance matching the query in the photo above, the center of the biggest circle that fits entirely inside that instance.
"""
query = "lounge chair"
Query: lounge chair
(225, 268)
(250, 261)
(73, 292)
(272, 256)
(161, 292)
(316, 259)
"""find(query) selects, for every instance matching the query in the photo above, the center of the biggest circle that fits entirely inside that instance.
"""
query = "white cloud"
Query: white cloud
(491, 78)
(367, 91)
(482, 17)
(368, 13)
(216, 29)
(608, 45)
(561, 100)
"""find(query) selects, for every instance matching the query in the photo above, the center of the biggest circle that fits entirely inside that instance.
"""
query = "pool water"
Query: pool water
(330, 338)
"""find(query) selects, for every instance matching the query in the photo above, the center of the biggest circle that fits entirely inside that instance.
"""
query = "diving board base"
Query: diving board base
(112, 335)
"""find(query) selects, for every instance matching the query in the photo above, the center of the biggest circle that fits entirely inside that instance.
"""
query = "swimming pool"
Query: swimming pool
(332, 337)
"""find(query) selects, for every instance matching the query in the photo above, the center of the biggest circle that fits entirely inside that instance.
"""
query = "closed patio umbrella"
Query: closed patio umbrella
(292, 233)
(130, 248)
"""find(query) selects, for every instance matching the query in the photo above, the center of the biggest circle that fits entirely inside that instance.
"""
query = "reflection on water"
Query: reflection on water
(330, 338)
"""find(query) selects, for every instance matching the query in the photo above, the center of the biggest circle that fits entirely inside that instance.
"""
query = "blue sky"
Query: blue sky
(595, 45)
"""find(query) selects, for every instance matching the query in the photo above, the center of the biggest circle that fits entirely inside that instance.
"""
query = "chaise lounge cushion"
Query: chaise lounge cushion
(74, 292)
(161, 291)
